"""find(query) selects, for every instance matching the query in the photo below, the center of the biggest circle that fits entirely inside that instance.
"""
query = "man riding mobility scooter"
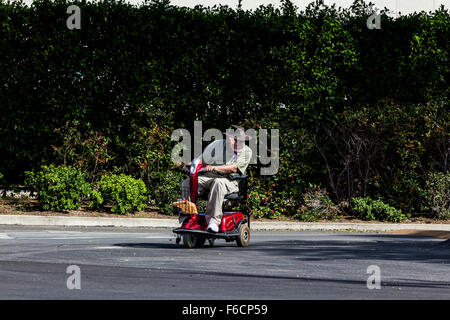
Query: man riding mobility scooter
(234, 225)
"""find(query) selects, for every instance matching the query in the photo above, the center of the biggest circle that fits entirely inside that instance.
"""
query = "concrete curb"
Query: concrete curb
(25, 220)
(339, 226)
(28, 220)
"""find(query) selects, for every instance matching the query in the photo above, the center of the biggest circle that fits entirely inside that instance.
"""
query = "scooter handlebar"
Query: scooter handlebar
(203, 170)
(217, 172)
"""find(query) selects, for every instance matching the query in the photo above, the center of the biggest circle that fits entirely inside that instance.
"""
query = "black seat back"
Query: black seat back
(243, 186)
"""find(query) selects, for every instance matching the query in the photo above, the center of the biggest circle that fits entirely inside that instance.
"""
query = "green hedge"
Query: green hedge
(105, 98)
(436, 195)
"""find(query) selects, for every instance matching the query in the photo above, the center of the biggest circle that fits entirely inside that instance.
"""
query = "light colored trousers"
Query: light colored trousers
(218, 189)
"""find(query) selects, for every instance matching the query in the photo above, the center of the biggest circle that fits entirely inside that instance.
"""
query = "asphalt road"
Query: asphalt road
(148, 264)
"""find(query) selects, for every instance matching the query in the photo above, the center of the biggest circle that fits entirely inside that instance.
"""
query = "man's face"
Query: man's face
(231, 142)
(234, 143)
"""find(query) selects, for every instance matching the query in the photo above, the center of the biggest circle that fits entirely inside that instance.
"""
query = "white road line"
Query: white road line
(98, 237)
(63, 232)
(48, 238)
(78, 237)
(159, 237)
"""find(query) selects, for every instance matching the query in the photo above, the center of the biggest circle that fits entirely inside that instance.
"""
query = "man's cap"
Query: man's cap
(238, 133)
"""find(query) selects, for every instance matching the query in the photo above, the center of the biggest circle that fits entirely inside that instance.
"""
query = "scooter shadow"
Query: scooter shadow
(149, 245)
(168, 246)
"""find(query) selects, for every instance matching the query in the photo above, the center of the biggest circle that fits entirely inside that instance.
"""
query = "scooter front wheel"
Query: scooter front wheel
(191, 241)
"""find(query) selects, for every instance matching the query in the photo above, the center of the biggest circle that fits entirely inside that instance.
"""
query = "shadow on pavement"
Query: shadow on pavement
(425, 250)
(149, 245)
(220, 245)
(364, 247)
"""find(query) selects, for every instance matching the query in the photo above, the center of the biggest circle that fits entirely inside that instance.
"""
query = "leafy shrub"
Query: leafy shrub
(59, 188)
(165, 189)
(317, 205)
(436, 195)
(369, 209)
(297, 164)
(87, 151)
(125, 193)
(385, 150)
(261, 205)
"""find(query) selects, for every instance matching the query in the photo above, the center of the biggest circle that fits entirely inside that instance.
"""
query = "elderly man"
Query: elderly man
(225, 157)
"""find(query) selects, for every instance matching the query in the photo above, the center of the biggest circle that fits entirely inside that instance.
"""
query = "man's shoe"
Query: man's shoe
(212, 227)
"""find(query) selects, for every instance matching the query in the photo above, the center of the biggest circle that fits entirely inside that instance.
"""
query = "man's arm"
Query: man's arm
(226, 168)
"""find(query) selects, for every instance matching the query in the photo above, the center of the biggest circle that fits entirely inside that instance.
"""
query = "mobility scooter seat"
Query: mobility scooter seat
(235, 196)
(232, 196)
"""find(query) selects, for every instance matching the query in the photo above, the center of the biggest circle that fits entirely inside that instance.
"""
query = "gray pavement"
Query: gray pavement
(128, 263)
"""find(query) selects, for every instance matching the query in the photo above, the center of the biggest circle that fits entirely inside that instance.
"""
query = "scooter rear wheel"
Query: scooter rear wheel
(191, 241)
(243, 238)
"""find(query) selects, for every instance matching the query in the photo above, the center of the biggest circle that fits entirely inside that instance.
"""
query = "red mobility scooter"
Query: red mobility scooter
(235, 225)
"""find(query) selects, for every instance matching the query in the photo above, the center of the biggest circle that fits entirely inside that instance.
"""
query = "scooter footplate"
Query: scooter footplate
(207, 234)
